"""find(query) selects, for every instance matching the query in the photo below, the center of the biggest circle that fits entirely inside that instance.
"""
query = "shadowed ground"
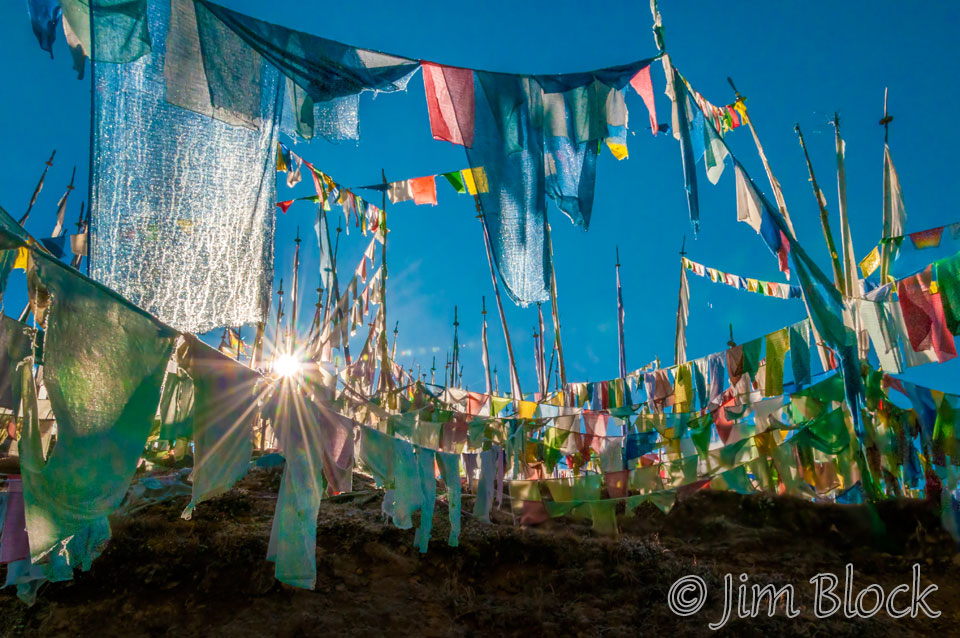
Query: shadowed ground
(163, 576)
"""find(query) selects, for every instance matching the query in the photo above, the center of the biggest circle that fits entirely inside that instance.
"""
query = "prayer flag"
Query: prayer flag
(927, 238)
(44, 18)
(870, 263)
(644, 87)
(424, 190)
(475, 180)
(748, 203)
(400, 191)
(924, 316)
(450, 102)
(456, 180)
(894, 211)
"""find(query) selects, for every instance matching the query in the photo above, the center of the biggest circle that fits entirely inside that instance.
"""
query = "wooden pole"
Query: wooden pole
(276, 330)
(77, 259)
(886, 249)
(514, 377)
(536, 360)
(486, 349)
(887, 118)
(294, 293)
(824, 215)
(455, 359)
(620, 337)
(683, 310)
(774, 183)
(39, 186)
(385, 375)
(553, 304)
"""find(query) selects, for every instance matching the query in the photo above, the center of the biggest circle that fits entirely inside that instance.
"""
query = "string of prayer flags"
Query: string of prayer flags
(724, 118)
(422, 190)
(766, 288)
(907, 254)
(366, 216)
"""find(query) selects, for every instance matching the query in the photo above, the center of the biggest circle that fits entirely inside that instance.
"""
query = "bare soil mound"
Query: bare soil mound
(163, 576)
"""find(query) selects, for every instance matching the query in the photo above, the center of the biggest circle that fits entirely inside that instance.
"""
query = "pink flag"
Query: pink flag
(424, 190)
(317, 184)
(475, 402)
(783, 255)
(595, 424)
(450, 102)
(644, 87)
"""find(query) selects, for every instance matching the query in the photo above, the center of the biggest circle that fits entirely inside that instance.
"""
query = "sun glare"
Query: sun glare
(286, 365)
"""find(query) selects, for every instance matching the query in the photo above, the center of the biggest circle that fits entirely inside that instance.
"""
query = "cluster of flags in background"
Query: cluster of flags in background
(366, 216)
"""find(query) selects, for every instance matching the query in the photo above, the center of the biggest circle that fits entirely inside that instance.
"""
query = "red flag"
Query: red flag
(450, 102)
(923, 314)
(285, 205)
(424, 190)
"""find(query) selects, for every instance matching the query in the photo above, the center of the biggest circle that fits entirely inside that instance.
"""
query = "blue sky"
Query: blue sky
(795, 62)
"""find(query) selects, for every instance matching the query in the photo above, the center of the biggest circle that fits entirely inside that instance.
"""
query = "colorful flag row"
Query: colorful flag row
(921, 240)
(766, 288)
(423, 190)
(419, 190)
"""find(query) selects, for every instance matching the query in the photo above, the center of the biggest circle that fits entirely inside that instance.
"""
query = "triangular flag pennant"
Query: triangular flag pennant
(499, 403)
(285, 205)
(644, 87)
(456, 180)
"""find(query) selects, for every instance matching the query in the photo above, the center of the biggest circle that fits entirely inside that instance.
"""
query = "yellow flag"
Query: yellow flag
(475, 179)
(22, 256)
(499, 403)
(871, 262)
(527, 409)
(619, 150)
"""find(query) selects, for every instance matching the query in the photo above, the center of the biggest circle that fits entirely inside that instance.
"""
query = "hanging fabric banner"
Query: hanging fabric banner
(103, 365)
(198, 256)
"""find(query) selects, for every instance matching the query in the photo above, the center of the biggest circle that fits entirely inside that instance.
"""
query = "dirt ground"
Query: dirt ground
(163, 576)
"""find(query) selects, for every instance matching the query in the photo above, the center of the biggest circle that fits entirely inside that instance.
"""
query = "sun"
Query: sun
(286, 365)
